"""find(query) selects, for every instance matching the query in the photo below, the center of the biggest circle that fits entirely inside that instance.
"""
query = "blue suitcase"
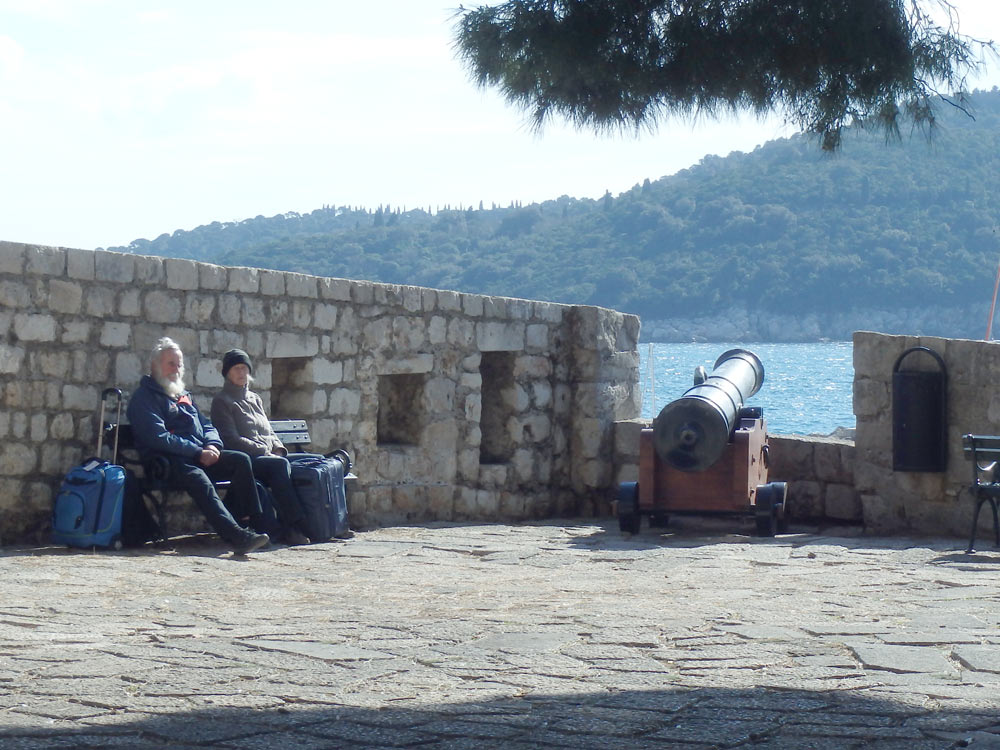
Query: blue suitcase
(88, 509)
(319, 482)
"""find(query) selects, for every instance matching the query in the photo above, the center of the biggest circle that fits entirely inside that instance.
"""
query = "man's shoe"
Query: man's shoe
(347, 534)
(294, 537)
(250, 541)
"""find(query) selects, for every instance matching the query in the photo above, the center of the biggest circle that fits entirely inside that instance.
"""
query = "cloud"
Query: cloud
(11, 58)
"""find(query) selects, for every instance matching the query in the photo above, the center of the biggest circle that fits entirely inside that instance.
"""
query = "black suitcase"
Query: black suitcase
(319, 482)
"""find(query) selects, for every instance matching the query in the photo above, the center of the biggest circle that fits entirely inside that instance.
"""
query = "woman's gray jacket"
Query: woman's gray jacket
(238, 414)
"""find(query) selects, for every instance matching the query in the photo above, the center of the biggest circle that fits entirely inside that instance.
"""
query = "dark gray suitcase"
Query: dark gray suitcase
(319, 482)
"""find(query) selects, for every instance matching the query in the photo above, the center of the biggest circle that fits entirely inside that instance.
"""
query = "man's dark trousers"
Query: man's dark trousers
(241, 497)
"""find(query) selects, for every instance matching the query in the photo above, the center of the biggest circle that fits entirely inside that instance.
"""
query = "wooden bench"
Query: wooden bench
(984, 453)
(294, 433)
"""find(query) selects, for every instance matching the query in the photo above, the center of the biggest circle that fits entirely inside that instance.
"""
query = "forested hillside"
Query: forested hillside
(783, 229)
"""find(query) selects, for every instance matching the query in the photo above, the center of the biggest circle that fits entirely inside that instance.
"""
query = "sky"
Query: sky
(122, 120)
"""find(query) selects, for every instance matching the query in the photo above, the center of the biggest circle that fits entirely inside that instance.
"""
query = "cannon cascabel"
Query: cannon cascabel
(691, 432)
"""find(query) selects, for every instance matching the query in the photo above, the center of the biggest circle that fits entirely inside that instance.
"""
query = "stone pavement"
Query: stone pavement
(554, 635)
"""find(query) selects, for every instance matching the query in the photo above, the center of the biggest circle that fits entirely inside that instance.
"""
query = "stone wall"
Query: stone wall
(819, 471)
(922, 502)
(455, 406)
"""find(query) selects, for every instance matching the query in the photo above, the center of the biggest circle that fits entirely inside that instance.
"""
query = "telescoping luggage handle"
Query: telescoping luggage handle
(118, 420)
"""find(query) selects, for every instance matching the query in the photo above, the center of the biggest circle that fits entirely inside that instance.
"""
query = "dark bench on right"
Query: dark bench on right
(984, 453)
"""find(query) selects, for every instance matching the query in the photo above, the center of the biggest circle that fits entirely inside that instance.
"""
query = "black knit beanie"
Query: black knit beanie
(235, 357)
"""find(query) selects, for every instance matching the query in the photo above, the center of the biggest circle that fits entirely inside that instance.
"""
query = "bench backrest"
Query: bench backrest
(292, 432)
(983, 446)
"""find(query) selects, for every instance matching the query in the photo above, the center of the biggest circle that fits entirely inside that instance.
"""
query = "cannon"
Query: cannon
(707, 453)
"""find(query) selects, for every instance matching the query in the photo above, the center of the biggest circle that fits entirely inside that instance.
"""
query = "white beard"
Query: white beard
(172, 388)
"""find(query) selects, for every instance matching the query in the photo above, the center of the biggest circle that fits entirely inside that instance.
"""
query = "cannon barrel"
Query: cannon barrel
(691, 432)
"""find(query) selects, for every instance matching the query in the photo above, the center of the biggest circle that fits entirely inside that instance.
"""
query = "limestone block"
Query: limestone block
(439, 395)
(549, 312)
(199, 309)
(791, 457)
(516, 399)
(524, 465)
(30, 327)
(291, 345)
(229, 306)
(14, 294)
(45, 261)
(181, 273)
(12, 257)
(92, 367)
(54, 364)
(4, 423)
(272, 283)
(6, 319)
(326, 316)
(468, 465)
(244, 280)
(627, 472)
(541, 394)
(537, 337)
(871, 397)
(472, 305)
(301, 285)
(494, 307)
(626, 438)
(876, 353)
(362, 292)
(471, 380)
(39, 428)
(99, 302)
(19, 425)
(80, 264)
(472, 362)
(588, 434)
(535, 429)
(128, 303)
(441, 502)
(117, 267)
(461, 333)
(162, 307)
(389, 295)
(881, 515)
(149, 271)
(500, 337)
(408, 334)
(593, 474)
(513, 506)
(277, 313)
(806, 499)
(437, 330)
(221, 342)
(413, 298)
(75, 331)
(83, 398)
(61, 427)
(17, 459)
(335, 289)
(532, 366)
(415, 365)
(65, 296)
(325, 372)
(253, 314)
(518, 309)
(345, 401)
(443, 438)
(116, 335)
(428, 299)
(375, 333)
(448, 301)
(842, 502)
(209, 374)
(128, 369)
(212, 277)
(474, 407)
(11, 359)
(50, 459)
(562, 399)
(493, 475)
(253, 343)
(473, 436)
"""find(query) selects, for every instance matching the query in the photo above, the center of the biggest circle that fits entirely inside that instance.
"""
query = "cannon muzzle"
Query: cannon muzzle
(692, 432)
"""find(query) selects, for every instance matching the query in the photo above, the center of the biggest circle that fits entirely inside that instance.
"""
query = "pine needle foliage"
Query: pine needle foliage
(627, 64)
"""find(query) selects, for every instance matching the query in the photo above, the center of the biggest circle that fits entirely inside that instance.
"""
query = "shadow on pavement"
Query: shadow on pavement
(632, 719)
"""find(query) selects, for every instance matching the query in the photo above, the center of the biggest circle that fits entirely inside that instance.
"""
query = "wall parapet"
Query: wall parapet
(456, 406)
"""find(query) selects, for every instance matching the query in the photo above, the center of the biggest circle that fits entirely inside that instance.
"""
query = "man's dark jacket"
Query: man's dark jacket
(162, 425)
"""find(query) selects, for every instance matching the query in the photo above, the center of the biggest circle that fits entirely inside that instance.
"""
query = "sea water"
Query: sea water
(807, 388)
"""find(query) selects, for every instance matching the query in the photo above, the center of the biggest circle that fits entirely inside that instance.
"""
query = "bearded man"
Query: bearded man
(166, 422)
